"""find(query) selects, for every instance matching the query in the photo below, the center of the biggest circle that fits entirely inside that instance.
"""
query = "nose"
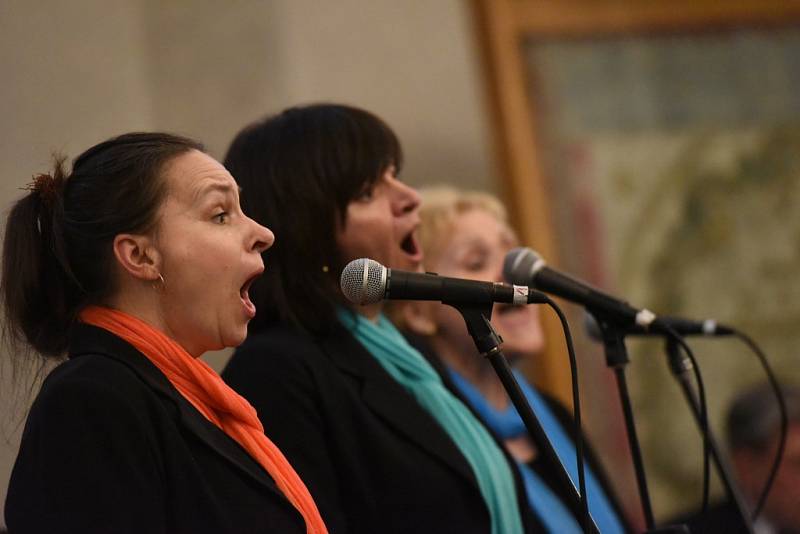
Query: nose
(406, 198)
(262, 239)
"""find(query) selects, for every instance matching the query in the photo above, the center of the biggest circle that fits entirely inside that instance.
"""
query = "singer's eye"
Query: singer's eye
(365, 195)
(476, 265)
(475, 261)
(221, 218)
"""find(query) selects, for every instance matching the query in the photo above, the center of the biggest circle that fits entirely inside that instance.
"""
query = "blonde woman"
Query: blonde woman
(466, 235)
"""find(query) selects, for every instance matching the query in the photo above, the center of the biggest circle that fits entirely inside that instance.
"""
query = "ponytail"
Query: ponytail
(38, 290)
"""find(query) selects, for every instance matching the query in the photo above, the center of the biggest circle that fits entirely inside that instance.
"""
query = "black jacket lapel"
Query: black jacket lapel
(89, 339)
(390, 401)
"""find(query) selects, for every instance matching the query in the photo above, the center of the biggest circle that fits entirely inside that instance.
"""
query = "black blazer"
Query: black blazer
(372, 457)
(111, 446)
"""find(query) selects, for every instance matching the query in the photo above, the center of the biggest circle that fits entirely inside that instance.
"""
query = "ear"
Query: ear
(137, 256)
(418, 317)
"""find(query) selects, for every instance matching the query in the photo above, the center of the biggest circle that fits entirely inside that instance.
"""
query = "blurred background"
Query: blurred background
(650, 147)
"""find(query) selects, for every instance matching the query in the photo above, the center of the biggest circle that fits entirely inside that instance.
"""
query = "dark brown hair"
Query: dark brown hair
(298, 171)
(57, 254)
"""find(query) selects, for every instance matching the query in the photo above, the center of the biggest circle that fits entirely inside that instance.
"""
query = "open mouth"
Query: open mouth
(244, 293)
(512, 316)
(410, 245)
(502, 309)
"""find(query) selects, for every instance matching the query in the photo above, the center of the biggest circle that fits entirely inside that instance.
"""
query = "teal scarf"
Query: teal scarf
(406, 365)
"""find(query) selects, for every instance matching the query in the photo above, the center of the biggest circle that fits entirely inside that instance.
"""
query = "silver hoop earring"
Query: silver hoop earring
(160, 279)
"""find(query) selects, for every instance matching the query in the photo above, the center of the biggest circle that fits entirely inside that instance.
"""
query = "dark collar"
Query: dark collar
(87, 339)
(390, 401)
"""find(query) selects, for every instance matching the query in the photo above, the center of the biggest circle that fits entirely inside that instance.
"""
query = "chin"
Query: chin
(236, 341)
(404, 263)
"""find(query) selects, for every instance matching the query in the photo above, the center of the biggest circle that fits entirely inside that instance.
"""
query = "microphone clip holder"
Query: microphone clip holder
(477, 318)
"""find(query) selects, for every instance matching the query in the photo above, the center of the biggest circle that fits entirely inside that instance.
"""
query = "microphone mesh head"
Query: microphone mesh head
(521, 265)
(363, 281)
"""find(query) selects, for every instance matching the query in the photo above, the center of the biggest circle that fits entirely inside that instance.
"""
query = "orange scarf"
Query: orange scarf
(221, 405)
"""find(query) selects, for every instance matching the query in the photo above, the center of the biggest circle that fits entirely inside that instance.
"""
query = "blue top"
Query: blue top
(551, 510)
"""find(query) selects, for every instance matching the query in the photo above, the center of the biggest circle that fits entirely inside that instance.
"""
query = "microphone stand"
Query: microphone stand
(488, 343)
(617, 359)
(681, 367)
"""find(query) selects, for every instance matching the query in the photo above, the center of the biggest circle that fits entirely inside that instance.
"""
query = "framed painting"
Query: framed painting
(653, 149)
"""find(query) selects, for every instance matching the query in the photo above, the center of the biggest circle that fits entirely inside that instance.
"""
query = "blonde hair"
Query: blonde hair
(442, 204)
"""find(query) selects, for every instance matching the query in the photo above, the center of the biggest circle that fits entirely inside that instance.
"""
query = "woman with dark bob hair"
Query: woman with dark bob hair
(133, 265)
(373, 427)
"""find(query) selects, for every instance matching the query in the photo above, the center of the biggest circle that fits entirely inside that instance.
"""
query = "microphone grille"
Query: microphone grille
(520, 266)
(363, 281)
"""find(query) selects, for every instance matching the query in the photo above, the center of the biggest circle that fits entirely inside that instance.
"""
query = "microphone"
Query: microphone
(683, 327)
(365, 281)
(525, 266)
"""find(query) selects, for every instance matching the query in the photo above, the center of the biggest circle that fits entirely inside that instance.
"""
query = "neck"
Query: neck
(136, 307)
(369, 311)
(145, 307)
(475, 369)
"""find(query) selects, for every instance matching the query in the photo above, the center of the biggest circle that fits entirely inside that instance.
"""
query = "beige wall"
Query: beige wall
(74, 73)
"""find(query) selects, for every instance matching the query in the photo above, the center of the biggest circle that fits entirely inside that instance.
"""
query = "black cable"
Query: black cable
(576, 414)
(784, 419)
(701, 393)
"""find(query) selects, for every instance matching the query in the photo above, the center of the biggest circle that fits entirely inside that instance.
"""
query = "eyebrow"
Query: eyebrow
(225, 188)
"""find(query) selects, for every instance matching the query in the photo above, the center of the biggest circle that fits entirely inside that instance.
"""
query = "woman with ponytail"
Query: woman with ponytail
(127, 269)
